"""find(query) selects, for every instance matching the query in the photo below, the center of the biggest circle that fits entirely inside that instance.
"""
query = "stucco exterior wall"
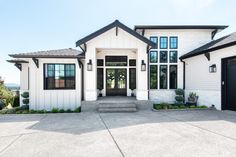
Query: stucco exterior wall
(123, 41)
(207, 85)
(47, 99)
(188, 40)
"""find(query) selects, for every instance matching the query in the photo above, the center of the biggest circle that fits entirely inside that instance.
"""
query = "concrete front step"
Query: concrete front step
(117, 107)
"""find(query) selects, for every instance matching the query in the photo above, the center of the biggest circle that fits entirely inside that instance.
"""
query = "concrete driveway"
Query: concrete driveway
(144, 133)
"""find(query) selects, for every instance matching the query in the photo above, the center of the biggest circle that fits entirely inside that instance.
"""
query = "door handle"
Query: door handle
(223, 82)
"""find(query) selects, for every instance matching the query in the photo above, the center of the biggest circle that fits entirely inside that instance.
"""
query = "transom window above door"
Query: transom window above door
(116, 60)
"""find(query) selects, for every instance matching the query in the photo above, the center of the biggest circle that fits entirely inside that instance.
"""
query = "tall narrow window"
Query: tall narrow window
(173, 42)
(163, 42)
(132, 78)
(100, 78)
(173, 76)
(163, 76)
(99, 62)
(59, 76)
(163, 56)
(153, 56)
(155, 40)
(173, 56)
(153, 76)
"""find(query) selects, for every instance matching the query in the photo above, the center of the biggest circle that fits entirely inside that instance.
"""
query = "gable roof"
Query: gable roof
(116, 23)
(220, 43)
(180, 27)
(60, 53)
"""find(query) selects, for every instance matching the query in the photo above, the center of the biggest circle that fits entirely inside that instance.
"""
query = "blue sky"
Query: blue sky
(32, 25)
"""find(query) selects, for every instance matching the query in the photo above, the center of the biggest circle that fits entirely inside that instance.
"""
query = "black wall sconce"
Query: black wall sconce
(212, 68)
(90, 65)
(143, 66)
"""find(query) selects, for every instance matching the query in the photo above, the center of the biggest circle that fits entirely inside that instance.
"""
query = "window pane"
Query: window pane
(132, 62)
(153, 76)
(173, 76)
(173, 56)
(163, 42)
(116, 60)
(59, 76)
(100, 78)
(155, 40)
(173, 42)
(132, 78)
(99, 62)
(153, 56)
(163, 56)
(163, 76)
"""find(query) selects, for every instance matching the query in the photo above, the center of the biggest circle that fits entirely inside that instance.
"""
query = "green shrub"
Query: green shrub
(25, 101)
(19, 112)
(192, 106)
(61, 110)
(25, 112)
(179, 91)
(16, 101)
(55, 110)
(11, 111)
(68, 111)
(77, 110)
(3, 111)
(25, 95)
(203, 106)
(2, 105)
(157, 106)
(32, 111)
(25, 107)
(179, 98)
(182, 106)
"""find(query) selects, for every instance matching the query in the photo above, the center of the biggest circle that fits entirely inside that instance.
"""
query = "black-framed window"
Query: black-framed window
(100, 78)
(163, 76)
(116, 60)
(155, 40)
(153, 56)
(59, 76)
(163, 56)
(153, 77)
(163, 42)
(132, 78)
(173, 42)
(173, 76)
(173, 56)
(99, 62)
(132, 62)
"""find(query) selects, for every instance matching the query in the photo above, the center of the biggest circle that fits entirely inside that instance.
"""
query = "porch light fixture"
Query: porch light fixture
(212, 68)
(143, 66)
(89, 65)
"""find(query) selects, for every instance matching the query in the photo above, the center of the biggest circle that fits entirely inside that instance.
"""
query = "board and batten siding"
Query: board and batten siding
(188, 40)
(198, 78)
(109, 41)
(41, 99)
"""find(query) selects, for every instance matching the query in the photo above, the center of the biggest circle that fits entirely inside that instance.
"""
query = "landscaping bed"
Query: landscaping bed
(25, 110)
(166, 107)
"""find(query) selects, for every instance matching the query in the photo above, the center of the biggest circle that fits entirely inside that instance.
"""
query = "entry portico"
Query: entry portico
(116, 54)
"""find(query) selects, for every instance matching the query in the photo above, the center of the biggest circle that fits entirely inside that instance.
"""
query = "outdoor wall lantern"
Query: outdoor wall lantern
(212, 68)
(90, 65)
(143, 66)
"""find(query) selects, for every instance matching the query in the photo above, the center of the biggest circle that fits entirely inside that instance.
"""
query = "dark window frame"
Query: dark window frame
(163, 37)
(117, 58)
(150, 75)
(156, 56)
(166, 79)
(132, 62)
(100, 61)
(160, 53)
(176, 85)
(101, 82)
(130, 78)
(154, 37)
(45, 83)
(170, 56)
(171, 37)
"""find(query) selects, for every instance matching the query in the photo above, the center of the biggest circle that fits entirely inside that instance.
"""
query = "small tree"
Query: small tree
(6, 96)
(179, 98)
(25, 95)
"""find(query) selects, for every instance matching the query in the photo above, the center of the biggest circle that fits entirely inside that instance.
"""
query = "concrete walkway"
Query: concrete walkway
(144, 133)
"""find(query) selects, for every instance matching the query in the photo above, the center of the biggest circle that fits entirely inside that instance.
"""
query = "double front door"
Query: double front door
(116, 82)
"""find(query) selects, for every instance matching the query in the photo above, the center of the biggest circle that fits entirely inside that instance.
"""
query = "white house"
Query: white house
(147, 61)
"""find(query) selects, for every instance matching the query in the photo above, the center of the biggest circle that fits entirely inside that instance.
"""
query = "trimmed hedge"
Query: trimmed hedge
(165, 106)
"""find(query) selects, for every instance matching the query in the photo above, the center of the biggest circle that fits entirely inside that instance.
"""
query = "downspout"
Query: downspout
(148, 71)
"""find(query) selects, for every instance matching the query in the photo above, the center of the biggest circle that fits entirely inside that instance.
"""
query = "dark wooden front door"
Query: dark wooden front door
(229, 84)
(116, 82)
